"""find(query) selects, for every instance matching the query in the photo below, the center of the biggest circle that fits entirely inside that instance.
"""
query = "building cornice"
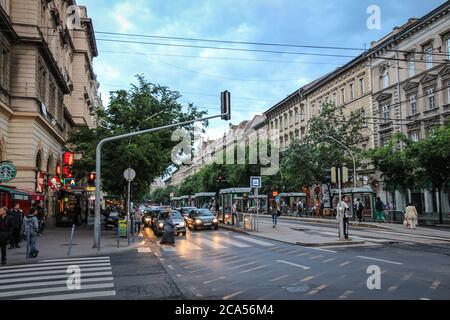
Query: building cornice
(43, 121)
(6, 26)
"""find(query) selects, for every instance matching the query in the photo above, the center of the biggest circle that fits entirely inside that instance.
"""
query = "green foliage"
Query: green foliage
(145, 105)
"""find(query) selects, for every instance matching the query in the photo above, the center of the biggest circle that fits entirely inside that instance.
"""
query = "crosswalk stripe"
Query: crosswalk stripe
(235, 243)
(72, 296)
(51, 283)
(144, 250)
(68, 263)
(262, 243)
(167, 248)
(51, 290)
(212, 244)
(53, 272)
(60, 276)
(52, 268)
(293, 264)
(253, 269)
(77, 259)
(242, 265)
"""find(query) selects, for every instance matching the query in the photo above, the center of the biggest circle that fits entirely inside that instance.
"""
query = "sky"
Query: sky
(256, 80)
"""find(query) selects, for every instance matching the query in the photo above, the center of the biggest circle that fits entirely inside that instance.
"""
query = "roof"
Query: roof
(235, 190)
(292, 194)
(205, 194)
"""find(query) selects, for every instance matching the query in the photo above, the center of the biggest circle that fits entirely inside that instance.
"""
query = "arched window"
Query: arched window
(38, 160)
(50, 167)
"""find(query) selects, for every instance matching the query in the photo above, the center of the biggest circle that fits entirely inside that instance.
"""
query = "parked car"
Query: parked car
(180, 225)
(202, 219)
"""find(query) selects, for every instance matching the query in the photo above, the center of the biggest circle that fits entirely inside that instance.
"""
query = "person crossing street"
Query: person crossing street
(30, 230)
(16, 217)
(5, 232)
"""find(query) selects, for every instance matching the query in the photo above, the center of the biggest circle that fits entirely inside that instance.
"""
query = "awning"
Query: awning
(16, 193)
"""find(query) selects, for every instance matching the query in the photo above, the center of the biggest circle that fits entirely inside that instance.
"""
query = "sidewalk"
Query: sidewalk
(54, 243)
(299, 235)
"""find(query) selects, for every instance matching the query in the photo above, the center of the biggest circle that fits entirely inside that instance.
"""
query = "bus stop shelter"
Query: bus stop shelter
(365, 194)
(203, 199)
(226, 199)
(289, 200)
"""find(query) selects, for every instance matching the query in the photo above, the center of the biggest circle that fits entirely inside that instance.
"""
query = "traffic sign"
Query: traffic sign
(255, 182)
(129, 174)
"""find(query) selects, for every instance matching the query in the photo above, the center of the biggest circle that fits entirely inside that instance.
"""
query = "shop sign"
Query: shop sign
(40, 181)
(90, 189)
(54, 183)
(69, 182)
(8, 171)
(68, 158)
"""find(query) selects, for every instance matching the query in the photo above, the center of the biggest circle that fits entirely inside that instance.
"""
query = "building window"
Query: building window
(412, 104)
(414, 135)
(52, 98)
(362, 90)
(385, 77)
(448, 91)
(448, 48)
(297, 116)
(320, 106)
(342, 96)
(4, 65)
(363, 118)
(286, 121)
(429, 57)
(352, 91)
(411, 67)
(271, 125)
(291, 119)
(281, 123)
(431, 98)
(334, 99)
(42, 85)
(302, 110)
(385, 109)
(276, 124)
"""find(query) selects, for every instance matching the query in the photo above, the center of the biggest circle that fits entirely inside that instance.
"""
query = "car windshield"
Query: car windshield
(113, 214)
(204, 212)
(175, 215)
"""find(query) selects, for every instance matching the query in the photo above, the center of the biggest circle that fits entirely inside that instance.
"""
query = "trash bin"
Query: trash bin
(123, 227)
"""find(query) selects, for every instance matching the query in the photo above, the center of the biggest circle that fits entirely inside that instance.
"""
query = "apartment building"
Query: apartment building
(47, 87)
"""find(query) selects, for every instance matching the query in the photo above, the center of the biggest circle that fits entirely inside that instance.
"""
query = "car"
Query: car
(185, 211)
(180, 225)
(149, 217)
(112, 219)
(202, 219)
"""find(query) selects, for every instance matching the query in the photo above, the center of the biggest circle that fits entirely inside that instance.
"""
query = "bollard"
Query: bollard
(128, 230)
(27, 235)
(118, 233)
(100, 236)
(134, 231)
(69, 251)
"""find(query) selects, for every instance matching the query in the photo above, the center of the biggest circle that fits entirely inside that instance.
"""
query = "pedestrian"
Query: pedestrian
(411, 216)
(16, 216)
(168, 236)
(5, 232)
(300, 208)
(41, 216)
(234, 213)
(77, 211)
(275, 213)
(379, 209)
(30, 230)
(358, 206)
(343, 212)
(138, 214)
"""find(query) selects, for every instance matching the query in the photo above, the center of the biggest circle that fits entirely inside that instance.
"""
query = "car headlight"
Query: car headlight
(147, 219)
(181, 224)
(215, 220)
(161, 225)
(198, 221)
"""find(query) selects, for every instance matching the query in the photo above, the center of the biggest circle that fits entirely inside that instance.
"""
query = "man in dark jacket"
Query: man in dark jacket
(16, 216)
(5, 231)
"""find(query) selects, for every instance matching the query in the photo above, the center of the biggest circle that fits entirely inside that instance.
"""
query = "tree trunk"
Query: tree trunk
(439, 205)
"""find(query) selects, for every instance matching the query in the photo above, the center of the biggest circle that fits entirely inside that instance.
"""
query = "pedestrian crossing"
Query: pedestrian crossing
(58, 279)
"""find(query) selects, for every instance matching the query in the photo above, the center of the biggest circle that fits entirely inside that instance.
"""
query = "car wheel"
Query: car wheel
(184, 233)
(216, 228)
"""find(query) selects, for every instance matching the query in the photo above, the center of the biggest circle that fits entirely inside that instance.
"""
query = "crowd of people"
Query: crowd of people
(17, 226)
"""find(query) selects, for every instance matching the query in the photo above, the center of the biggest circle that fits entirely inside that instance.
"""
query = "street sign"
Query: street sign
(8, 171)
(129, 174)
(255, 182)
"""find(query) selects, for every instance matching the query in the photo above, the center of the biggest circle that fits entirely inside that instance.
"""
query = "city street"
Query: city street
(229, 265)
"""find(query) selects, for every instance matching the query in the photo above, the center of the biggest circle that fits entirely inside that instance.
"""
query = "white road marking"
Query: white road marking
(278, 278)
(320, 249)
(214, 280)
(302, 254)
(51, 290)
(212, 244)
(23, 266)
(387, 261)
(282, 250)
(424, 299)
(170, 267)
(318, 289)
(435, 284)
(168, 248)
(84, 275)
(392, 288)
(242, 265)
(328, 260)
(307, 278)
(291, 252)
(344, 263)
(232, 295)
(231, 262)
(316, 257)
(261, 243)
(293, 264)
(29, 271)
(72, 296)
(345, 295)
(229, 258)
(53, 272)
(253, 269)
(51, 283)
(407, 276)
(144, 250)
(235, 243)
(75, 259)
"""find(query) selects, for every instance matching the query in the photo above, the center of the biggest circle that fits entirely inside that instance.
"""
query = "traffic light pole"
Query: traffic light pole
(98, 159)
(351, 154)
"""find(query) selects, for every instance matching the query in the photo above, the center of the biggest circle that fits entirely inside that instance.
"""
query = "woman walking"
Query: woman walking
(30, 230)
(411, 216)
(274, 212)
(168, 236)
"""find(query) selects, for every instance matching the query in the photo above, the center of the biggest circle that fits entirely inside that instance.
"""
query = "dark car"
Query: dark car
(185, 211)
(180, 225)
(202, 219)
(150, 216)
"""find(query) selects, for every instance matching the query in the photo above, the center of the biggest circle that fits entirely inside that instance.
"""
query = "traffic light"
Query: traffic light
(91, 178)
(225, 105)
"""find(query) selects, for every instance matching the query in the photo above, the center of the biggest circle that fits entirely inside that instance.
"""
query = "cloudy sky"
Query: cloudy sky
(256, 80)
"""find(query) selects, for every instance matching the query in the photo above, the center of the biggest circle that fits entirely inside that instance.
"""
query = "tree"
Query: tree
(432, 157)
(145, 105)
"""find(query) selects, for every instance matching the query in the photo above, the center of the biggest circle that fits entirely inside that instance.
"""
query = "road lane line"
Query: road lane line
(407, 276)
(212, 244)
(307, 279)
(74, 296)
(320, 249)
(344, 263)
(214, 280)
(261, 243)
(302, 254)
(229, 258)
(318, 289)
(435, 284)
(345, 295)
(22, 266)
(51, 290)
(316, 257)
(387, 261)
(293, 264)
(282, 250)
(61, 268)
(279, 278)
(242, 265)
(74, 259)
(328, 260)
(232, 295)
(51, 283)
(235, 243)
(392, 288)
(144, 250)
(231, 262)
(10, 276)
(253, 269)
(291, 252)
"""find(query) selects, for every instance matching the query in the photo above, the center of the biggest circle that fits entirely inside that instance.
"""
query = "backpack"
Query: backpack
(28, 225)
(360, 206)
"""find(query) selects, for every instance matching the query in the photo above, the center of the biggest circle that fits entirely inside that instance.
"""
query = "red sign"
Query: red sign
(68, 158)
(40, 182)
(54, 183)
(58, 169)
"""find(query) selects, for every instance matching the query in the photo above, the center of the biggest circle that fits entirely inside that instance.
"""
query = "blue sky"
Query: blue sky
(201, 74)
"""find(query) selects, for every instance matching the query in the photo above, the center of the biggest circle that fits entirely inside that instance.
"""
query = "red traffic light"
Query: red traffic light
(91, 176)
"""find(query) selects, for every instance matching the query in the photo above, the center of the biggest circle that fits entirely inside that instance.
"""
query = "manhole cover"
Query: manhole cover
(68, 244)
(295, 289)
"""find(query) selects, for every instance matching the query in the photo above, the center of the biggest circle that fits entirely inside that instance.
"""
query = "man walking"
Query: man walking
(358, 207)
(300, 208)
(275, 212)
(234, 213)
(30, 229)
(40, 214)
(5, 231)
(343, 213)
(379, 209)
(16, 217)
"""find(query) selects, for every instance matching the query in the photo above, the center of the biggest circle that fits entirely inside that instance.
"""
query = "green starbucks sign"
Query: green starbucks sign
(7, 171)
